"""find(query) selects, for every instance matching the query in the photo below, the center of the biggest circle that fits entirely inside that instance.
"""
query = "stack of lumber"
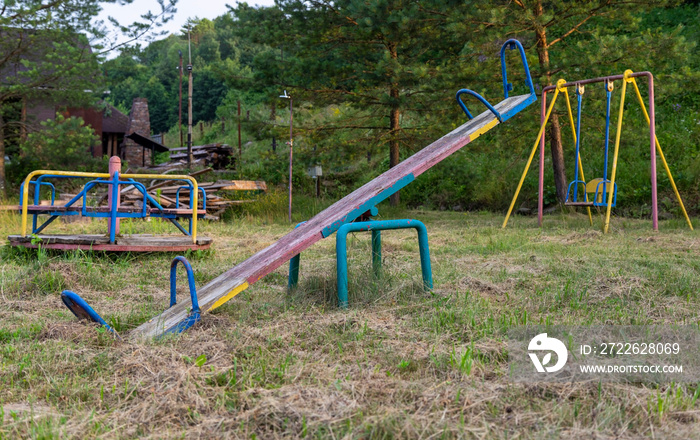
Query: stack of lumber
(166, 194)
(216, 156)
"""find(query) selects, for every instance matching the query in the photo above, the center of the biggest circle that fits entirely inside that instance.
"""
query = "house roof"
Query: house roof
(114, 121)
(147, 142)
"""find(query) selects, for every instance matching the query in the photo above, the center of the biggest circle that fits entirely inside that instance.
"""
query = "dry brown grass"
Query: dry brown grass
(284, 365)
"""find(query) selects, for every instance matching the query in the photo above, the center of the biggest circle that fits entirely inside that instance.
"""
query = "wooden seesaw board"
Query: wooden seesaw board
(238, 278)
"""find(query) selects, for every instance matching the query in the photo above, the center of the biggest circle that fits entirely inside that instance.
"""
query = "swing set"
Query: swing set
(601, 191)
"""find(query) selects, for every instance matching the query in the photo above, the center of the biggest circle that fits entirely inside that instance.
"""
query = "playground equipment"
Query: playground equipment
(375, 227)
(600, 195)
(112, 241)
(603, 190)
(240, 277)
(82, 309)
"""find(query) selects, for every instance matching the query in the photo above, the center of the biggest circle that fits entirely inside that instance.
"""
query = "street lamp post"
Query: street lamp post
(291, 148)
(189, 100)
(179, 111)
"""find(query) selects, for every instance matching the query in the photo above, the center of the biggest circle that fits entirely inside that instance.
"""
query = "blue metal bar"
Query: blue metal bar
(195, 314)
(37, 196)
(35, 216)
(44, 225)
(507, 87)
(194, 209)
(204, 196)
(608, 94)
(579, 97)
(572, 183)
(142, 189)
(378, 225)
(480, 98)
(511, 44)
(158, 206)
(177, 204)
(604, 199)
(55, 215)
(39, 181)
(76, 198)
(170, 217)
(190, 281)
(37, 186)
(82, 309)
(177, 225)
(37, 190)
(293, 278)
(139, 186)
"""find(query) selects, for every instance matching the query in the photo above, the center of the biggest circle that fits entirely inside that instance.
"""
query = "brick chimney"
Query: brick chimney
(139, 122)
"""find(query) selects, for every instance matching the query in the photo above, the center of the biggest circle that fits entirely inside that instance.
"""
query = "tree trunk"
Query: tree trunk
(394, 127)
(23, 121)
(2, 157)
(557, 158)
(554, 127)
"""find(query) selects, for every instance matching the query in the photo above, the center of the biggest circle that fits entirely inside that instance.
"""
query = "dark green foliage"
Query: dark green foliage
(337, 60)
(151, 72)
(62, 145)
(49, 56)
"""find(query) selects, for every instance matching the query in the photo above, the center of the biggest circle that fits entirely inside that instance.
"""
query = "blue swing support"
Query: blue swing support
(511, 44)
(598, 186)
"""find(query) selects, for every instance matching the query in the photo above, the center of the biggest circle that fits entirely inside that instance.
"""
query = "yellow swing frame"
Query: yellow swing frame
(628, 78)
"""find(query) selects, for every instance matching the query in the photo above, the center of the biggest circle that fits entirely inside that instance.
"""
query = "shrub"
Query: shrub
(63, 144)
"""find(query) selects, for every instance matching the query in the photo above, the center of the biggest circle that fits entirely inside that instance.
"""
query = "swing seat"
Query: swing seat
(598, 188)
(601, 188)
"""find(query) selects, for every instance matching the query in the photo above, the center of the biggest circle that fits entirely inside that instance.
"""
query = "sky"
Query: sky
(185, 9)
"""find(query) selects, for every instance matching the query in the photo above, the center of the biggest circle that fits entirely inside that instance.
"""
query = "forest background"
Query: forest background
(374, 81)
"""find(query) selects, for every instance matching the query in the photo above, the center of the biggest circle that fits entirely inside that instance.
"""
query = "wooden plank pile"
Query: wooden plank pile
(216, 156)
(166, 194)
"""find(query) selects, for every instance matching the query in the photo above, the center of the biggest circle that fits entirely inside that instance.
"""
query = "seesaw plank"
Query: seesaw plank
(238, 278)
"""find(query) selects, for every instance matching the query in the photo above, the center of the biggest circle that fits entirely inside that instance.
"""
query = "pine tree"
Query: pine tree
(383, 56)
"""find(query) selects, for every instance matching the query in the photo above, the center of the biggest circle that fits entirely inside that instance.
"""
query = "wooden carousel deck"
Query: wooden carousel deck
(126, 243)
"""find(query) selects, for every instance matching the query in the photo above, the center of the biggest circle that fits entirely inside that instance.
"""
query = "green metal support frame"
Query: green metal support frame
(374, 226)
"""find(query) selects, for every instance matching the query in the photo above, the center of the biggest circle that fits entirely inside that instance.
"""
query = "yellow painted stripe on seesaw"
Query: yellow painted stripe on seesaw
(228, 296)
(483, 130)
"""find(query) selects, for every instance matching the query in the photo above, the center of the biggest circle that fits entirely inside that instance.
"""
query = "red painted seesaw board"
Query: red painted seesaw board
(238, 278)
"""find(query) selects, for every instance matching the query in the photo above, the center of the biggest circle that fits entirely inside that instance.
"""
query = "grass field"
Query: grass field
(399, 363)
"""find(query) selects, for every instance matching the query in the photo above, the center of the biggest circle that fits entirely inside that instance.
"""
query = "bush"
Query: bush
(63, 144)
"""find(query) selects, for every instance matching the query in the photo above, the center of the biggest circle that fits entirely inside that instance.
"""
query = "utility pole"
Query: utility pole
(179, 111)
(189, 100)
(240, 150)
(291, 148)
